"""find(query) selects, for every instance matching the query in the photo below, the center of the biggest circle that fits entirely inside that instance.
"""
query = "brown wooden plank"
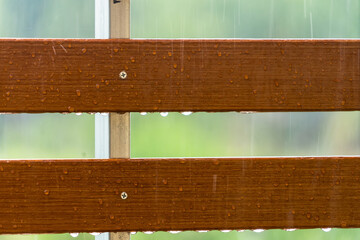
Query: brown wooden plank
(178, 194)
(179, 75)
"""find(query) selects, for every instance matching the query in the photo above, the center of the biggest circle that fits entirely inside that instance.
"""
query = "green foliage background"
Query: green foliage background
(201, 134)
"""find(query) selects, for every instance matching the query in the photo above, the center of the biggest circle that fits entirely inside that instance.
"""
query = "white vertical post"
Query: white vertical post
(102, 31)
(112, 132)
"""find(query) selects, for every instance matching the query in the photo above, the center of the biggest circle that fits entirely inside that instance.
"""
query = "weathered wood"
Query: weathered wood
(179, 75)
(178, 194)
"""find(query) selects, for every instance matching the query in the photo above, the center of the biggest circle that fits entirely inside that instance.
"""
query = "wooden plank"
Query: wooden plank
(119, 122)
(179, 75)
(178, 194)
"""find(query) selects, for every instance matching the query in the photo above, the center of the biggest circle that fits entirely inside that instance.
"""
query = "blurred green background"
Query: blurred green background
(200, 134)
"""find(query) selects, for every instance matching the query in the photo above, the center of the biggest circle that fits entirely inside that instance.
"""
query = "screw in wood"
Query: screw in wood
(124, 195)
(123, 75)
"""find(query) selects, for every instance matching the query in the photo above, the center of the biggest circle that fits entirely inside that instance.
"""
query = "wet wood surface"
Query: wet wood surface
(50, 196)
(179, 75)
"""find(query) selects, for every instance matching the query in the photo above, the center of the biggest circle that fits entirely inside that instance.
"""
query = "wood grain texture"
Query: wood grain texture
(119, 123)
(119, 135)
(49, 196)
(179, 75)
(120, 19)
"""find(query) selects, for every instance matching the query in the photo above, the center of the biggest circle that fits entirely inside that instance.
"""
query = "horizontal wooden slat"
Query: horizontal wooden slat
(178, 194)
(179, 75)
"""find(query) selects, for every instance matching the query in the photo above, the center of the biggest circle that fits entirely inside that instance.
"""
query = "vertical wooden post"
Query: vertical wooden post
(120, 123)
(119, 18)
(113, 130)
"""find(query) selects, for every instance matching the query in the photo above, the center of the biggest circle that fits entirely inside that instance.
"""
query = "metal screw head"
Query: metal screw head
(123, 75)
(124, 195)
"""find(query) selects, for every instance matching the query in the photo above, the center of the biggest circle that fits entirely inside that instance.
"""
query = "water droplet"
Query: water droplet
(71, 109)
(83, 50)
(170, 54)
(240, 231)
(95, 233)
(164, 114)
(225, 231)
(290, 229)
(116, 50)
(132, 233)
(143, 113)
(74, 234)
(78, 114)
(258, 230)
(219, 54)
(326, 229)
(202, 231)
(111, 216)
(148, 232)
(46, 192)
(174, 232)
(246, 112)
(186, 113)
(246, 77)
